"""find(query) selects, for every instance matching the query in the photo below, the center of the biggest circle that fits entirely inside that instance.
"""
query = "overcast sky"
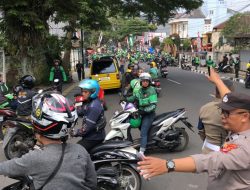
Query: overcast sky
(237, 4)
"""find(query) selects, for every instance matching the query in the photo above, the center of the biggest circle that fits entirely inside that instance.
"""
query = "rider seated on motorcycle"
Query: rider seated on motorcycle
(153, 71)
(94, 121)
(146, 98)
(52, 116)
(57, 72)
(24, 96)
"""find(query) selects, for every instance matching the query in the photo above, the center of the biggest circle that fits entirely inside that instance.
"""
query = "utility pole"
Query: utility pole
(83, 57)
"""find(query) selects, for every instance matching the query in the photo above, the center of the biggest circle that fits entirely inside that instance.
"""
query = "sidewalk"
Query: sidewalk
(231, 76)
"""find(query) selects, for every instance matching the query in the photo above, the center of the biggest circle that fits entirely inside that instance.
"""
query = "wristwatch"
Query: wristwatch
(170, 165)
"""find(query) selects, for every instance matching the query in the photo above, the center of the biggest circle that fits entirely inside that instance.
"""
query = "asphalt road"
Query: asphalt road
(180, 89)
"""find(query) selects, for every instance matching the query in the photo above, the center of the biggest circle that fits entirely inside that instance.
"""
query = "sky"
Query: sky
(238, 4)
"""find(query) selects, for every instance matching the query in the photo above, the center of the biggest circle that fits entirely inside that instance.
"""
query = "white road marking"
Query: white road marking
(174, 81)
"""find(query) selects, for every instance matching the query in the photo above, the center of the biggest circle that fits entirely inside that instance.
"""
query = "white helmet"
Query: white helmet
(53, 115)
(145, 76)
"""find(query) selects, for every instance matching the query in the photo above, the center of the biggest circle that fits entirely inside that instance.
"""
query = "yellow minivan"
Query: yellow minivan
(106, 71)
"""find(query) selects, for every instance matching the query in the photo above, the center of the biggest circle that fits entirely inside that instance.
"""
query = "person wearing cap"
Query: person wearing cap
(210, 125)
(229, 168)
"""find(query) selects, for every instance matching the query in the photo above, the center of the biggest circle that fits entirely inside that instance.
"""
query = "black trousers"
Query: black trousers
(89, 144)
(237, 73)
(79, 74)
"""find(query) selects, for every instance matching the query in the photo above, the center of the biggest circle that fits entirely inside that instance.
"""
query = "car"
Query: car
(106, 71)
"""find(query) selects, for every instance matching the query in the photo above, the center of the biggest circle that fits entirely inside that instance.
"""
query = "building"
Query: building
(187, 25)
(199, 23)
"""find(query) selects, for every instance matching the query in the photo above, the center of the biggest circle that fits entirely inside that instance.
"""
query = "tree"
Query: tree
(186, 44)
(24, 24)
(122, 27)
(155, 42)
(238, 26)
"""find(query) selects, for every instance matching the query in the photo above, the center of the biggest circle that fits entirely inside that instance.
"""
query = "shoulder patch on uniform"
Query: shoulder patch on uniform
(228, 147)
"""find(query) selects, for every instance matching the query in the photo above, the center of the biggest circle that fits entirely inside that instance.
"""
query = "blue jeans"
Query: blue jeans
(147, 121)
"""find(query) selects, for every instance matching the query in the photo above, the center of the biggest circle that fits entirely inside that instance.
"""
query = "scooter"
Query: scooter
(164, 132)
(225, 68)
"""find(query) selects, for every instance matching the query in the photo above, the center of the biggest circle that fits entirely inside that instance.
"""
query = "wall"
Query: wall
(195, 26)
(244, 57)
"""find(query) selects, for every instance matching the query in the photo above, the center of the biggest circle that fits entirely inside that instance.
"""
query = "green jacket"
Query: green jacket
(135, 85)
(154, 73)
(146, 98)
(210, 63)
(52, 74)
(197, 60)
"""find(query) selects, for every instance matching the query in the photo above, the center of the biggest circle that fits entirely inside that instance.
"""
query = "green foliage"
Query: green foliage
(168, 41)
(155, 42)
(186, 44)
(122, 27)
(237, 26)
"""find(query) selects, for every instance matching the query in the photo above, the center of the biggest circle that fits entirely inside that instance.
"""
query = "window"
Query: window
(221, 1)
(103, 67)
(211, 12)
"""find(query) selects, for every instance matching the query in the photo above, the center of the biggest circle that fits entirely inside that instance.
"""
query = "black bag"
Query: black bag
(101, 124)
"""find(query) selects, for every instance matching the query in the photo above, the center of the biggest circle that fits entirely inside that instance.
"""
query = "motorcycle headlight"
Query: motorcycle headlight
(130, 156)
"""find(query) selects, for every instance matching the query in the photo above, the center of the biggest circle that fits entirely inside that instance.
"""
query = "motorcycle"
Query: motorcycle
(164, 71)
(157, 85)
(115, 168)
(247, 80)
(224, 68)
(5, 114)
(164, 132)
(115, 164)
(8, 98)
(18, 133)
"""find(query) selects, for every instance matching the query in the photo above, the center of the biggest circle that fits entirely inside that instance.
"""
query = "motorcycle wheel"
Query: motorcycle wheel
(184, 138)
(129, 179)
(11, 151)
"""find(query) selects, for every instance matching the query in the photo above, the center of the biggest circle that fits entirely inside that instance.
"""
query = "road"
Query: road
(181, 89)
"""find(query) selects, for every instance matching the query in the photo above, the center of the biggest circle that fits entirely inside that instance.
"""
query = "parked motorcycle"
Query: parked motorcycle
(224, 68)
(247, 80)
(164, 132)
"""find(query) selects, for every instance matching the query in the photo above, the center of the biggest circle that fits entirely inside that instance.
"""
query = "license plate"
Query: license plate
(78, 104)
(105, 78)
(1, 118)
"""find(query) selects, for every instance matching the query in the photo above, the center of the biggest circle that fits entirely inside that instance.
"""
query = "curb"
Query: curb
(242, 81)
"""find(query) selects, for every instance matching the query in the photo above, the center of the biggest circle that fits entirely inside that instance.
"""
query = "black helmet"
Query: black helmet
(27, 81)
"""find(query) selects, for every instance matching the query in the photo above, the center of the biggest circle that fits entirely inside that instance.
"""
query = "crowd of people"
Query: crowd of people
(224, 127)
